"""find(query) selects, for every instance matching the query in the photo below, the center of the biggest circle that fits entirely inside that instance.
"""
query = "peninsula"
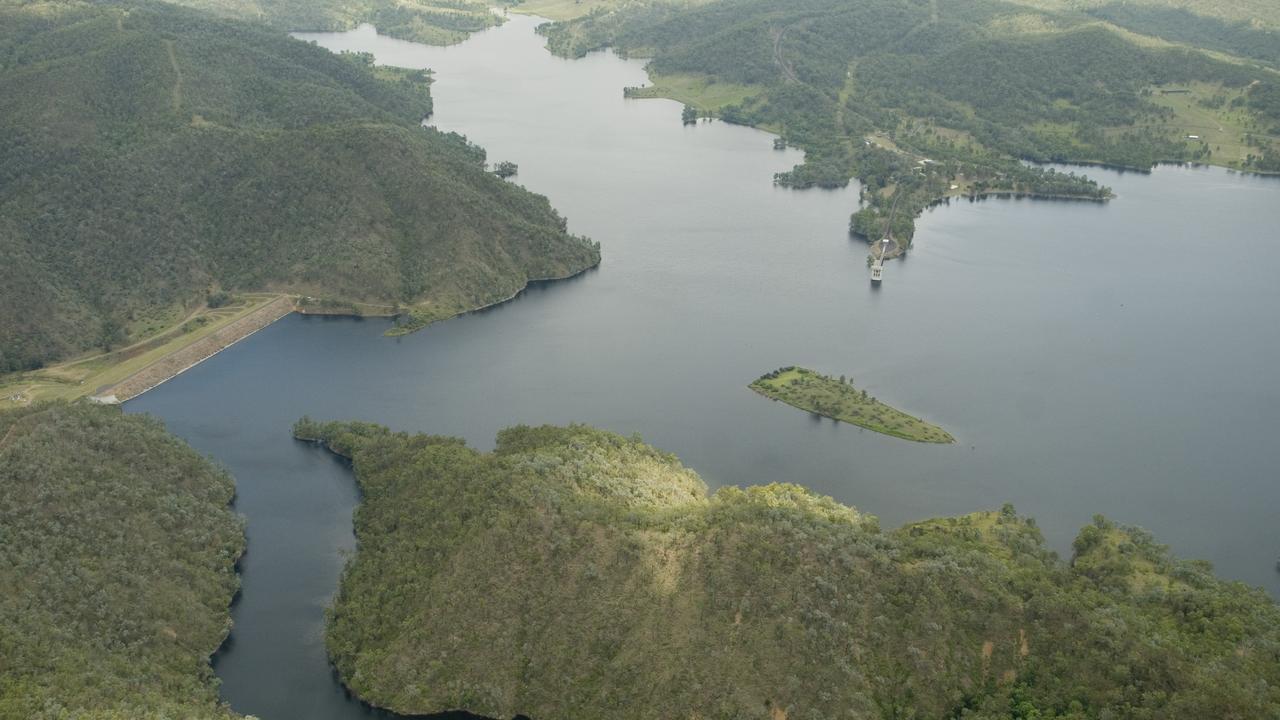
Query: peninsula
(838, 399)
(575, 573)
(924, 102)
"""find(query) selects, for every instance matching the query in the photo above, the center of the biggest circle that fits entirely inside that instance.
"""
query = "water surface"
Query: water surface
(1117, 358)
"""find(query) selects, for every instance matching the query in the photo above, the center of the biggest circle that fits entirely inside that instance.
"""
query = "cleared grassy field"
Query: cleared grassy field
(560, 10)
(699, 91)
(838, 400)
(86, 376)
(1223, 128)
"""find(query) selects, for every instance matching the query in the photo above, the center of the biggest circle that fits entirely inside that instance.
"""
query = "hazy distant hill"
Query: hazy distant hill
(1255, 13)
(150, 153)
(117, 568)
(431, 21)
(574, 573)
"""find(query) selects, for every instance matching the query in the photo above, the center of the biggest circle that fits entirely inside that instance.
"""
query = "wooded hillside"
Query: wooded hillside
(574, 573)
(439, 22)
(150, 155)
(926, 99)
(117, 568)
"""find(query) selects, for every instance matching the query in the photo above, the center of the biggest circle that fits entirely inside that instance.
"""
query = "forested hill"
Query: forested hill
(923, 95)
(150, 154)
(577, 574)
(431, 21)
(117, 568)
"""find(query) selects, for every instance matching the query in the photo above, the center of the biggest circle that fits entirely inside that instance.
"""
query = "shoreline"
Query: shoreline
(154, 375)
(849, 409)
(656, 93)
(161, 371)
(402, 330)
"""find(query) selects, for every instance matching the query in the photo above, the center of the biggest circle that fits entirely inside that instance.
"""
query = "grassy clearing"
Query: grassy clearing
(699, 91)
(838, 400)
(561, 10)
(1107, 550)
(1266, 12)
(85, 376)
(1202, 115)
(1206, 111)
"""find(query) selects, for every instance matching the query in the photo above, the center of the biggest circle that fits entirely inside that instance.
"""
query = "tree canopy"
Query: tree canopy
(438, 22)
(117, 567)
(149, 154)
(576, 573)
(925, 99)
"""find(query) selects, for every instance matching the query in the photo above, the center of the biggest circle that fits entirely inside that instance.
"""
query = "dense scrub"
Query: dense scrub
(576, 573)
(117, 555)
(149, 154)
(921, 99)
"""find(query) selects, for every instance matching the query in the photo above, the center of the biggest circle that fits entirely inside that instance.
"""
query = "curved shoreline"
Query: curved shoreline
(402, 330)
(183, 359)
(163, 370)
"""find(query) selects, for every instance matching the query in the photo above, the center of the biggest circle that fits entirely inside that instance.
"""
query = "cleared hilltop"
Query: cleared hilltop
(117, 567)
(577, 573)
(153, 157)
(923, 100)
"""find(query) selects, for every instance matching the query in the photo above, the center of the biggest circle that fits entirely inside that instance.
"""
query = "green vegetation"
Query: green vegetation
(506, 169)
(923, 100)
(839, 400)
(117, 567)
(1260, 14)
(438, 22)
(578, 574)
(1244, 38)
(571, 9)
(701, 92)
(151, 155)
(90, 375)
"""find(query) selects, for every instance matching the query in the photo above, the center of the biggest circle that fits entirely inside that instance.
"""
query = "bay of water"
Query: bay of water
(1121, 358)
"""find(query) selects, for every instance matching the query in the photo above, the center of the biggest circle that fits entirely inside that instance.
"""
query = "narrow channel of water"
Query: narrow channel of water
(1118, 358)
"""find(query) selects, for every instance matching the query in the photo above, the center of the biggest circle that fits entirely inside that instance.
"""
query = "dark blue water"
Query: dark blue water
(1120, 358)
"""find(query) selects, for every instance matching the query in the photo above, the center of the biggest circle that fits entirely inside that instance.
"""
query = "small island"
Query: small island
(838, 399)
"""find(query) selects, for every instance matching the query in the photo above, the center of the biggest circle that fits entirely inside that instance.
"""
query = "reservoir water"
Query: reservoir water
(1120, 358)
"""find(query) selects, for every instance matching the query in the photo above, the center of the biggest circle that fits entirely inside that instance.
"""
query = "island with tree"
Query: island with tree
(839, 400)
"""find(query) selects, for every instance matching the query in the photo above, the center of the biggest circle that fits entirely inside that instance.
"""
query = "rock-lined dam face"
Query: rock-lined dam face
(197, 352)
